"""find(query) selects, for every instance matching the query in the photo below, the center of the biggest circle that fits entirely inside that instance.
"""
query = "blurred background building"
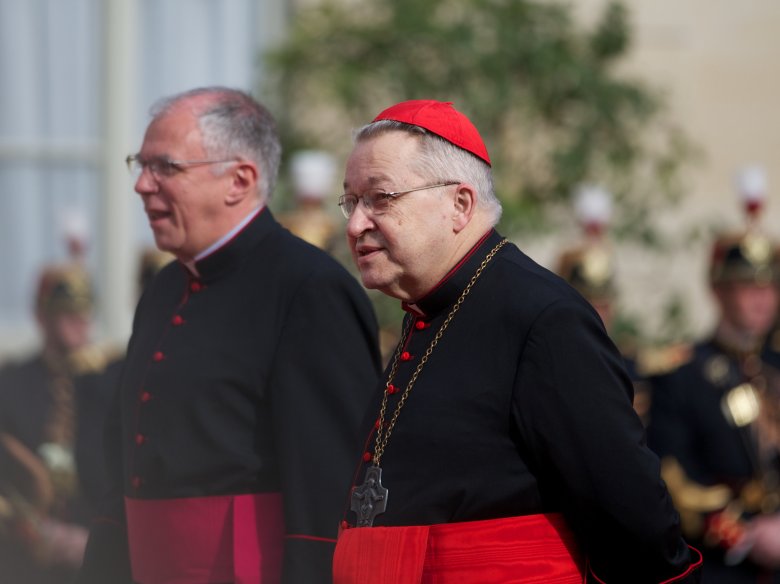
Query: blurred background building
(714, 61)
(78, 77)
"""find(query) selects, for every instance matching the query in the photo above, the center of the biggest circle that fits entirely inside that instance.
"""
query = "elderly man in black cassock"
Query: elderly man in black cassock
(502, 445)
(248, 370)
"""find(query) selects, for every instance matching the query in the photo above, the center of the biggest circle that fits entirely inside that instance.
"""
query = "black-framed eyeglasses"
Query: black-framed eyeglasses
(164, 167)
(378, 202)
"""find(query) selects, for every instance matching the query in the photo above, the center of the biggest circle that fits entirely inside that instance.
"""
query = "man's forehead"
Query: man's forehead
(172, 123)
(170, 133)
(369, 181)
(381, 158)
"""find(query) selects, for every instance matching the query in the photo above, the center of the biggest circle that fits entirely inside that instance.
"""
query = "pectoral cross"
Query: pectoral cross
(370, 498)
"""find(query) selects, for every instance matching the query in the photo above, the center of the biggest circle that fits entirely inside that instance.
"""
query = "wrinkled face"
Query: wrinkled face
(408, 249)
(182, 208)
(750, 308)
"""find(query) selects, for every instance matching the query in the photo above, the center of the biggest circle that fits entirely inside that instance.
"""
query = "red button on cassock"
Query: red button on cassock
(158, 356)
(196, 286)
(145, 396)
(406, 356)
(420, 325)
(136, 482)
(366, 456)
(139, 439)
(177, 320)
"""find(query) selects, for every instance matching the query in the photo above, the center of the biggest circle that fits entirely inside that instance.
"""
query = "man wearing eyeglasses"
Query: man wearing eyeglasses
(251, 358)
(501, 445)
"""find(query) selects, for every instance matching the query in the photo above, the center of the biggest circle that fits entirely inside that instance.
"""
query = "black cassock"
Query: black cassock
(523, 407)
(251, 378)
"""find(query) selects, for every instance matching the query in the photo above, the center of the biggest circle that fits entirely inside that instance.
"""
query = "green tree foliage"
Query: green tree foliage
(547, 96)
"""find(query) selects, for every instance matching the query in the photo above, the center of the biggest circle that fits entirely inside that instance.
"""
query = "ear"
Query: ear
(464, 206)
(243, 182)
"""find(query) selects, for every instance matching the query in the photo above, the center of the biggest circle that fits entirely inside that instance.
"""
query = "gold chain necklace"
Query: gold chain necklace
(370, 498)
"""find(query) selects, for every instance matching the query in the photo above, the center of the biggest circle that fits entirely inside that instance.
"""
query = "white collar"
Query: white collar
(223, 240)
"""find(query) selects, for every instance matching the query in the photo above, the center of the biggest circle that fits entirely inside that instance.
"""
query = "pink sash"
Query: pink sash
(204, 540)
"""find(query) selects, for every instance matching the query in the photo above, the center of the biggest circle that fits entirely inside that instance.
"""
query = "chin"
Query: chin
(370, 283)
(368, 276)
(163, 244)
(378, 285)
(382, 282)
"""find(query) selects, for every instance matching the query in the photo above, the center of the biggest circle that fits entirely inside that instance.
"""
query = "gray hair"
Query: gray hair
(442, 161)
(233, 124)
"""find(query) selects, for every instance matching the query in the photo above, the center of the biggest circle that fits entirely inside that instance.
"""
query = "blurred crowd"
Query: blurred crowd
(711, 408)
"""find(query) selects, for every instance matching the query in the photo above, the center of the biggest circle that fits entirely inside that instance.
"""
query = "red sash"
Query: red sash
(204, 540)
(532, 548)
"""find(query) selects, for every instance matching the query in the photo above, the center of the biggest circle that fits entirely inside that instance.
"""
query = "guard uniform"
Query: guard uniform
(517, 454)
(715, 422)
(705, 417)
(52, 409)
(28, 402)
(237, 417)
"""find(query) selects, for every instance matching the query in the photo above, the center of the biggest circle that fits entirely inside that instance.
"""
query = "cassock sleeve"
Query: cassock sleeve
(325, 369)
(572, 405)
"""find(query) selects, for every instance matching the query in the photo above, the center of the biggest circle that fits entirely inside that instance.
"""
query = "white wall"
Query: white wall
(716, 61)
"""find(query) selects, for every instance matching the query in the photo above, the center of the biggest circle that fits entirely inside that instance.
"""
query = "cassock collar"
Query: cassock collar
(446, 292)
(235, 250)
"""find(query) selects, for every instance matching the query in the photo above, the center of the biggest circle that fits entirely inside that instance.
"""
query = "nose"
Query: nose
(146, 183)
(359, 222)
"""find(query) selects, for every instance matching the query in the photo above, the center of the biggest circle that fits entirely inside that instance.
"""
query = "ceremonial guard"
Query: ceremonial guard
(715, 420)
(501, 445)
(52, 409)
(312, 174)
